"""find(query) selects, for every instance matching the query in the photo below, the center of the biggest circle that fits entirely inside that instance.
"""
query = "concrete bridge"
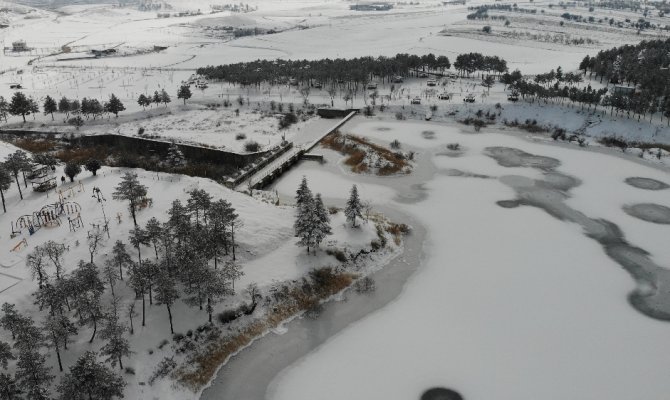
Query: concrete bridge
(268, 173)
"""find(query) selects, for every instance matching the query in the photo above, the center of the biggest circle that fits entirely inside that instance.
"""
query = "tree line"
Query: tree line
(22, 105)
(354, 71)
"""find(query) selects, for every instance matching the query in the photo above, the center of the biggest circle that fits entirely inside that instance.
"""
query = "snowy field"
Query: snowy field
(515, 296)
(520, 302)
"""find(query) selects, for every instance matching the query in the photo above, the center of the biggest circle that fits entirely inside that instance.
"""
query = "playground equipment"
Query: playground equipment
(75, 223)
(20, 245)
(47, 216)
(70, 192)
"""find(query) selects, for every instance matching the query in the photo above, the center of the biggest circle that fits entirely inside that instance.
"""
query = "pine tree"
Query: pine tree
(58, 328)
(120, 257)
(144, 101)
(92, 166)
(114, 105)
(75, 106)
(138, 281)
(156, 98)
(4, 108)
(9, 389)
(184, 93)
(18, 162)
(198, 203)
(11, 320)
(138, 238)
(322, 221)
(50, 106)
(165, 97)
(5, 354)
(72, 169)
(221, 216)
(132, 190)
(20, 105)
(179, 220)
(302, 193)
(166, 293)
(95, 108)
(5, 183)
(90, 380)
(175, 157)
(305, 220)
(117, 346)
(50, 296)
(214, 287)
(32, 373)
(354, 207)
(64, 106)
(111, 274)
(87, 301)
(34, 108)
(232, 271)
(154, 230)
(37, 265)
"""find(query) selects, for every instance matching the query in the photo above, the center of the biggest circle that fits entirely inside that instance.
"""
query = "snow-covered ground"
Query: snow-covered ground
(508, 303)
(267, 253)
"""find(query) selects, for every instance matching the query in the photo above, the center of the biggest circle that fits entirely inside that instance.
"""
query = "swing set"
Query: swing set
(47, 216)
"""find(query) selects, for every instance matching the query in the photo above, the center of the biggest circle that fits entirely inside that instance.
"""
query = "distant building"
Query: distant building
(105, 52)
(624, 90)
(19, 45)
(371, 7)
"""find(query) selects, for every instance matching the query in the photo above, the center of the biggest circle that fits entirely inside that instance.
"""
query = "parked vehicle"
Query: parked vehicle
(293, 82)
(423, 75)
(514, 96)
(443, 96)
(318, 85)
(15, 86)
(431, 82)
(398, 79)
(469, 98)
(372, 86)
(416, 100)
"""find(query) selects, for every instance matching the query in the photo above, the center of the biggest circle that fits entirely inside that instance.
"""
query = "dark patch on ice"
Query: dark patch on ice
(646, 183)
(428, 134)
(652, 294)
(416, 193)
(449, 153)
(649, 212)
(508, 203)
(383, 128)
(464, 174)
(510, 157)
(441, 394)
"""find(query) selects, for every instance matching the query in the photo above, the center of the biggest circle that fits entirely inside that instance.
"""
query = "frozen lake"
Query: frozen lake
(508, 303)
